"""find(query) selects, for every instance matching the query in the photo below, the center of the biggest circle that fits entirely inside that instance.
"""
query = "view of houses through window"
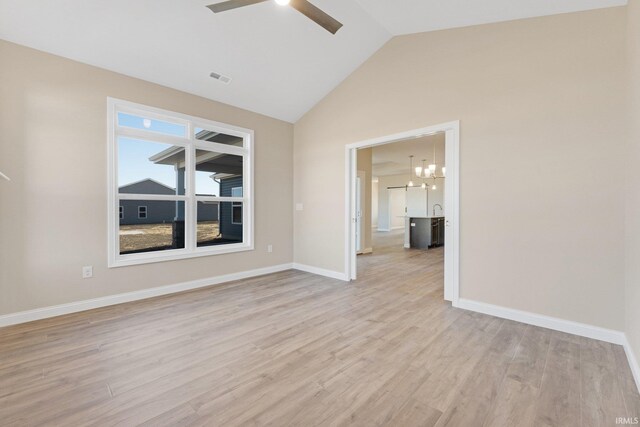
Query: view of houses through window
(179, 185)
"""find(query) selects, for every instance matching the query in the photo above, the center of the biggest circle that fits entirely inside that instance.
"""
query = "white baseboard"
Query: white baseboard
(568, 326)
(633, 362)
(367, 251)
(74, 307)
(320, 271)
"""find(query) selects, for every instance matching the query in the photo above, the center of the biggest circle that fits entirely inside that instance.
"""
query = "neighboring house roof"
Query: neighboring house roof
(147, 186)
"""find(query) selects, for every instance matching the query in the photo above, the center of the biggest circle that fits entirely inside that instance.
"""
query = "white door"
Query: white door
(417, 201)
(360, 192)
(397, 207)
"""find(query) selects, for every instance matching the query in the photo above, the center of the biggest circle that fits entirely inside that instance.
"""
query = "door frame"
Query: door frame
(361, 181)
(452, 197)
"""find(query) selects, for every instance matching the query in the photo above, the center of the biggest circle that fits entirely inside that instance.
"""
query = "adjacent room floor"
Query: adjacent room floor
(297, 349)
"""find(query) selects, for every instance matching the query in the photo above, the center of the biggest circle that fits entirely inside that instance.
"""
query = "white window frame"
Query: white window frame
(236, 205)
(190, 143)
(146, 211)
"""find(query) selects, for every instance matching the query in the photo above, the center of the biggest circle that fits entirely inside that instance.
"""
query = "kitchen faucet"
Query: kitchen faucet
(434, 208)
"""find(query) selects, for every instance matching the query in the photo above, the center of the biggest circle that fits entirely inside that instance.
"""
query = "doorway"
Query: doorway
(450, 222)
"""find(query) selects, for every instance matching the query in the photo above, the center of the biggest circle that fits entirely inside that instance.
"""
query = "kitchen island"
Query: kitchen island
(424, 232)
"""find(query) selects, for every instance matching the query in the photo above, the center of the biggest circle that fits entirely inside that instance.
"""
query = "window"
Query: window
(142, 212)
(189, 179)
(236, 207)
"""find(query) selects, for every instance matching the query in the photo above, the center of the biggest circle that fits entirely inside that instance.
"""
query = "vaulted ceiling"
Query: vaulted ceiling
(281, 63)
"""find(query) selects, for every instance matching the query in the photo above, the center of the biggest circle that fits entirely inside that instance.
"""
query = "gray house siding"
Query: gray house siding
(227, 229)
(148, 186)
(207, 211)
(158, 212)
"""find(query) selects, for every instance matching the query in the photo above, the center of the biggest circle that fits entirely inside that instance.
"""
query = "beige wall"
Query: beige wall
(54, 211)
(632, 293)
(541, 104)
(364, 164)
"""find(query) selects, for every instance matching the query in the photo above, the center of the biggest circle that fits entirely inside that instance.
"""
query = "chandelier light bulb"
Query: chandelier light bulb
(432, 168)
(410, 184)
(418, 171)
(444, 171)
(424, 186)
(434, 187)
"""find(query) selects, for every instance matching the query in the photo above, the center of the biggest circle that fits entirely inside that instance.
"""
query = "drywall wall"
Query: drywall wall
(53, 116)
(541, 104)
(632, 270)
(364, 164)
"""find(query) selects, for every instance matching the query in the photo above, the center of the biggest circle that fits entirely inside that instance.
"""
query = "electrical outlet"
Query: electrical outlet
(269, 248)
(87, 271)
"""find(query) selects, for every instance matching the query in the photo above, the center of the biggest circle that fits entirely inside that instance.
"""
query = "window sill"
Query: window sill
(176, 254)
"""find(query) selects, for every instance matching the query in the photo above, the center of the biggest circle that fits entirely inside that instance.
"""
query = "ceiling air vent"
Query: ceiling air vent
(221, 78)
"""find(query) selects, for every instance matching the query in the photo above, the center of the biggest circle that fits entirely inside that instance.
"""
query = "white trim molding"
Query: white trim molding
(321, 271)
(452, 196)
(562, 325)
(191, 145)
(633, 362)
(74, 307)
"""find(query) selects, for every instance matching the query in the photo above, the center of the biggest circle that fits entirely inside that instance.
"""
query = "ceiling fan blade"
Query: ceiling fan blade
(318, 16)
(232, 4)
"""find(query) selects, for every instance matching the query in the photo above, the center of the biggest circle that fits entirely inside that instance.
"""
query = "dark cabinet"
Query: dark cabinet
(426, 232)
(437, 232)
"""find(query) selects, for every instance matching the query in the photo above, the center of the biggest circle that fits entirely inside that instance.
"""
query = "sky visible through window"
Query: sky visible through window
(133, 156)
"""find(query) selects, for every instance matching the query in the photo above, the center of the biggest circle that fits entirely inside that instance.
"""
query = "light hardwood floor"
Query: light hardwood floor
(296, 349)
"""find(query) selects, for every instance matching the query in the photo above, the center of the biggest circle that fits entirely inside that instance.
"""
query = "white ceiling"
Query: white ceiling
(393, 159)
(416, 16)
(281, 63)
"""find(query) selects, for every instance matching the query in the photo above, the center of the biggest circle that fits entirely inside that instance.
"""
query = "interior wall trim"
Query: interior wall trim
(320, 271)
(562, 325)
(74, 307)
(633, 362)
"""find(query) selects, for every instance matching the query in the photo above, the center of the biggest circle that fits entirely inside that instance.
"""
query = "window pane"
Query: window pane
(150, 167)
(215, 224)
(236, 213)
(217, 173)
(144, 123)
(151, 225)
(220, 138)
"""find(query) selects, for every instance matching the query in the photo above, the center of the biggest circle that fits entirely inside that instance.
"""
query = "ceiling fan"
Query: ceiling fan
(303, 6)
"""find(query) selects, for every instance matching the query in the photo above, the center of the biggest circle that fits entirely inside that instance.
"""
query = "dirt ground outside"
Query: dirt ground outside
(144, 236)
